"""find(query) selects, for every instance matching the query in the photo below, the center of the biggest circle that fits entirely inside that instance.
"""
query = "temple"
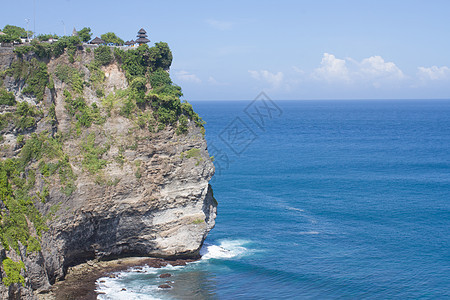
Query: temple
(142, 37)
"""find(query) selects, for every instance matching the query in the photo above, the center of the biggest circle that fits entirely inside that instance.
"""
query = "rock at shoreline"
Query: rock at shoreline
(80, 282)
(164, 286)
(165, 275)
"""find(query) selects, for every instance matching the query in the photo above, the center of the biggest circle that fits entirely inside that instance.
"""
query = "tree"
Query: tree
(165, 56)
(85, 34)
(46, 37)
(111, 37)
(6, 39)
(16, 32)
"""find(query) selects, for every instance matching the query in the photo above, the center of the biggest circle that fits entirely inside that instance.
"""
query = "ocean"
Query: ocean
(319, 200)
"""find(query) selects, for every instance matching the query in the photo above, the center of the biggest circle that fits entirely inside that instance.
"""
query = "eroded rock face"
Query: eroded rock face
(151, 199)
(166, 212)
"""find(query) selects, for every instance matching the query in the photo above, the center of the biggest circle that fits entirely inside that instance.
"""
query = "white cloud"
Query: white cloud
(375, 67)
(298, 70)
(331, 69)
(213, 81)
(220, 25)
(274, 79)
(186, 76)
(373, 70)
(434, 73)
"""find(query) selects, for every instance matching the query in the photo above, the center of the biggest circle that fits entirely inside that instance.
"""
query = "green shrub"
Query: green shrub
(92, 155)
(5, 119)
(25, 115)
(138, 89)
(7, 98)
(20, 140)
(99, 93)
(84, 114)
(182, 125)
(51, 83)
(19, 209)
(97, 76)
(66, 42)
(46, 37)
(192, 153)
(52, 114)
(46, 51)
(159, 78)
(71, 76)
(12, 270)
(103, 55)
(127, 108)
(22, 50)
(16, 182)
(111, 37)
(42, 50)
(143, 59)
(35, 75)
(138, 173)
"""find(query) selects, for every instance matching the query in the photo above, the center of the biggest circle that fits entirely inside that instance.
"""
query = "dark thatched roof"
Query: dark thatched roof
(142, 34)
(142, 40)
(97, 41)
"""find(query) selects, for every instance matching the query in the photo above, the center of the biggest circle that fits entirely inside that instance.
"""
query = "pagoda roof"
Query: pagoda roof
(97, 40)
(142, 40)
(142, 31)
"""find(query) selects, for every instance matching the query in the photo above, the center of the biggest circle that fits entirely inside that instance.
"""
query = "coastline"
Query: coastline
(80, 280)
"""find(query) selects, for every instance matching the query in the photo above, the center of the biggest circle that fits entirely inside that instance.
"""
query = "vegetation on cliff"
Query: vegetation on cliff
(38, 160)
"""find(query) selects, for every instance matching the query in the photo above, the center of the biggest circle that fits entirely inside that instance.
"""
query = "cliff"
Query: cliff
(100, 160)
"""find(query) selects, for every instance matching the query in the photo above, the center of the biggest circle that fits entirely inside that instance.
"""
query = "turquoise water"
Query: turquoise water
(323, 200)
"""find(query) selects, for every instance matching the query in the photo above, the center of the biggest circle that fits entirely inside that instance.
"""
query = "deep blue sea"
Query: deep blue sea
(320, 200)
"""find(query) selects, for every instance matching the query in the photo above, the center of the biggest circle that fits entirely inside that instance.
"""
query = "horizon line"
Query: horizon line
(368, 99)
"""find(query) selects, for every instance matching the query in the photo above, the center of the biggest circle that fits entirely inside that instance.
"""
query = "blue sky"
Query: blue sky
(289, 49)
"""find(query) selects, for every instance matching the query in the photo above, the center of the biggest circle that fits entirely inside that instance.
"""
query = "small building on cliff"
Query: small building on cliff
(142, 37)
(97, 41)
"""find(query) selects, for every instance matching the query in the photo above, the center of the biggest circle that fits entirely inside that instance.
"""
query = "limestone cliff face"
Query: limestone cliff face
(149, 197)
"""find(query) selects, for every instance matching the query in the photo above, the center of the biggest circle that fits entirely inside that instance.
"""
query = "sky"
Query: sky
(305, 50)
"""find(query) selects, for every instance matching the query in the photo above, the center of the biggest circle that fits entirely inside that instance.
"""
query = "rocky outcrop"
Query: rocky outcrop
(150, 198)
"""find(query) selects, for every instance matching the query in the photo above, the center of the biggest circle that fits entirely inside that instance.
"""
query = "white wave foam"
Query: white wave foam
(294, 208)
(226, 249)
(308, 232)
(112, 289)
